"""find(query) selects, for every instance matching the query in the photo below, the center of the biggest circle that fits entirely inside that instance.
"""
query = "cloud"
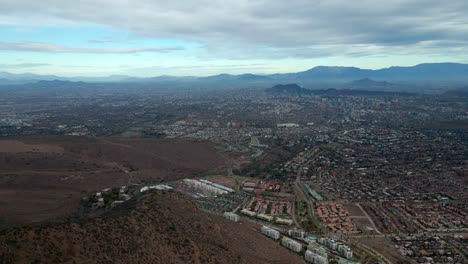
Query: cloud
(104, 40)
(53, 48)
(270, 29)
(23, 65)
(191, 70)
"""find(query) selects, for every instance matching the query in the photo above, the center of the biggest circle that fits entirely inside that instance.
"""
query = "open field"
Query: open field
(354, 210)
(45, 177)
(16, 146)
(359, 218)
(363, 224)
(385, 247)
(224, 180)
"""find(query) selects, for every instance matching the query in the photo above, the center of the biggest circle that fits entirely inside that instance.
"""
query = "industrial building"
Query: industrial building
(291, 244)
(270, 232)
(222, 187)
(208, 187)
(231, 217)
(158, 187)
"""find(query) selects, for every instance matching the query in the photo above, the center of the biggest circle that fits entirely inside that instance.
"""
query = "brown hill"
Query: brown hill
(45, 177)
(164, 227)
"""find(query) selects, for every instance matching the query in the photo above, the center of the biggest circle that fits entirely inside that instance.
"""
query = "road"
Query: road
(412, 234)
(300, 188)
(372, 251)
(370, 219)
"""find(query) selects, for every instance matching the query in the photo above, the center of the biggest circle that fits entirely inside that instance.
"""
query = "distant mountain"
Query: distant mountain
(7, 78)
(462, 92)
(4, 81)
(296, 90)
(393, 78)
(369, 83)
(229, 77)
(27, 76)
(421, 72)
(324, 72)
(53, 88)
(288, 89)
(360, 92)
(427, 71)
(59, 83)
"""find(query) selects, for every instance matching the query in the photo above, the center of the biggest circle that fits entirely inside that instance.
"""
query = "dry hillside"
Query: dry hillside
(163, 227)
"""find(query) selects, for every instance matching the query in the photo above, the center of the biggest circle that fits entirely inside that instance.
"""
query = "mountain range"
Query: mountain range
(426, 71)
(392, 78)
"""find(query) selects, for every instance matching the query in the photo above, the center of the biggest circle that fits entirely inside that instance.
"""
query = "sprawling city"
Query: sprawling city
(332, 177)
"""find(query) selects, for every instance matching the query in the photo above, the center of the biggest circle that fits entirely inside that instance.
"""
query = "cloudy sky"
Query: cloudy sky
(204, 37)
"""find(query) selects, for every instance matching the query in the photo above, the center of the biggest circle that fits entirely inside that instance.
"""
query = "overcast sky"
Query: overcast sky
(204, 37)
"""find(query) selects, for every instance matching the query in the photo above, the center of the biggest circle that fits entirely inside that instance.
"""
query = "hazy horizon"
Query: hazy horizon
(220, 73)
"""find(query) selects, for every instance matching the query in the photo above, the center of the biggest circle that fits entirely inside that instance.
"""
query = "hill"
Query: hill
(461, 92)
(358, 92)
(163, 227)
(288, 89)
(427, 77)
(44, 178)
(420, 72)
(369, 83)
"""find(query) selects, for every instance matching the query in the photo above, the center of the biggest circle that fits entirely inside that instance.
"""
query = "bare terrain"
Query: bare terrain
(162, 227)
(44, 177)
(385, 247)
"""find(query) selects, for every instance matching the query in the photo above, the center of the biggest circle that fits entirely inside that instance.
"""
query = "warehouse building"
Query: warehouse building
(208, 186)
